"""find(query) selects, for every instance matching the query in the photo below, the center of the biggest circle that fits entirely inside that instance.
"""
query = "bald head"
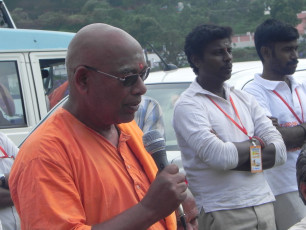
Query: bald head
(98, 44)
(97, 55)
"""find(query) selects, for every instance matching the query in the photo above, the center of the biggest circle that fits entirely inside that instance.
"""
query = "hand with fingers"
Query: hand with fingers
(166, 193)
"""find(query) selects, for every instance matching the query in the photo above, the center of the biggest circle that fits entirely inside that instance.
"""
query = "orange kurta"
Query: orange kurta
(67, 176)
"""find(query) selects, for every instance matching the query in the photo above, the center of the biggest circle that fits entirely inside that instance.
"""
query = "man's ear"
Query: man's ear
(303, 189)
(196, 61)
(266, 52)
(81, 79)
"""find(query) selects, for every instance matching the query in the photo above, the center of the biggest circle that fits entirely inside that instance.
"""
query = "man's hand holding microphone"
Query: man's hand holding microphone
(168, 190)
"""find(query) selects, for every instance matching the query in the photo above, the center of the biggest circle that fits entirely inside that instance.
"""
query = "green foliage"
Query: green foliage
(286, 10)
(157, 22)
(245, 54)
(144, 29)
(22, 17)
(51, 20)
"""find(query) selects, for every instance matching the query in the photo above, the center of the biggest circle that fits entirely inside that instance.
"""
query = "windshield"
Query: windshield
(166, 94)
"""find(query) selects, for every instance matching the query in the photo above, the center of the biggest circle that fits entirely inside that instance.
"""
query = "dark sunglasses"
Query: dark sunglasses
(127, 80)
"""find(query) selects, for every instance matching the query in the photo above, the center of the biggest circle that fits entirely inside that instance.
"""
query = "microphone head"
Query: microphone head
(153, 141)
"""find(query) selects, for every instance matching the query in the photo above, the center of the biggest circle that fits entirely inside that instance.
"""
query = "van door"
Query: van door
(30, 85)
(18, 107)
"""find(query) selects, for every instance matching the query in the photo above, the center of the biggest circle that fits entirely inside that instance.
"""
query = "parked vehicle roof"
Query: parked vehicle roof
(242, 72)
(26, 39)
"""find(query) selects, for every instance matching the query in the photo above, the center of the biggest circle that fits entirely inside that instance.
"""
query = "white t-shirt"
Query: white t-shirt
(8, 216)
(281, 179)
(208, 160)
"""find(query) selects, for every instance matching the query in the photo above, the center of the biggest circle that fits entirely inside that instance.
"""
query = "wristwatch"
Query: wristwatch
(2, 180)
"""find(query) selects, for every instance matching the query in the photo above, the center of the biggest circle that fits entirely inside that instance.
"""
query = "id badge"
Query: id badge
(256, 158)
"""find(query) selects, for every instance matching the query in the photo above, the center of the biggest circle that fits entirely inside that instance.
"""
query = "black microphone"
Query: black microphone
(155, 144)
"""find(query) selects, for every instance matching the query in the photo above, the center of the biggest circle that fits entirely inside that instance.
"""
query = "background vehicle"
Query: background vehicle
(166, 87)
(31, 67)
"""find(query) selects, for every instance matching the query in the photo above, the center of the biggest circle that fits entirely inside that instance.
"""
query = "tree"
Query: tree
(22, 19)
(286, 10)
(157, 22)
(144, 29)
(173, 46)
(52, 20)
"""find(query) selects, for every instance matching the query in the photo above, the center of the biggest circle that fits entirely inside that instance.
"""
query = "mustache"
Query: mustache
(293, 62)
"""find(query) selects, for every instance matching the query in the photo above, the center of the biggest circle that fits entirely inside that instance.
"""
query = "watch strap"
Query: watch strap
(3, 180)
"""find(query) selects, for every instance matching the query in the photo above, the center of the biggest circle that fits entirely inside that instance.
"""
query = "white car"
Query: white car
(166, 86)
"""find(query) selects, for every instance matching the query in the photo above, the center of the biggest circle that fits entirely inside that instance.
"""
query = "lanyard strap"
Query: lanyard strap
(289, 107)
(298, 95)
(241, 127)
(4, 153)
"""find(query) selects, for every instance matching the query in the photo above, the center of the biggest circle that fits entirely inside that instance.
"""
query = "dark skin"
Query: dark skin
(5, 196)
(214, 69)
(191, 213)
(280, 60)
(294, 137)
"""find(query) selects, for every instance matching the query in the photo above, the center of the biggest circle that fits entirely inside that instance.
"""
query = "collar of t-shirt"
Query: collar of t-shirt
(274, 85)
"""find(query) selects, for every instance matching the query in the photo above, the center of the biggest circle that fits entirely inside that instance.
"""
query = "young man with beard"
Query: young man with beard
(283, 99)
(217, 127)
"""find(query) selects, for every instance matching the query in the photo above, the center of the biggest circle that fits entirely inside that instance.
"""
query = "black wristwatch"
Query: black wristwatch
(2, 180)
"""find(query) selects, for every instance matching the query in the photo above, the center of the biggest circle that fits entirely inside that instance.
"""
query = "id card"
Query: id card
(256, 158)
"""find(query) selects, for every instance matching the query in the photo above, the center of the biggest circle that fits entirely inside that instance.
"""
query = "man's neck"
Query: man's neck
(215, 88)
(271, 76)
(108, 131)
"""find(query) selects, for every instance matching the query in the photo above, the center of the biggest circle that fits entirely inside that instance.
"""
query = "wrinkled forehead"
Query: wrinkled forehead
(131, 63)
(103, 39)
(122, 54)
(116, 50)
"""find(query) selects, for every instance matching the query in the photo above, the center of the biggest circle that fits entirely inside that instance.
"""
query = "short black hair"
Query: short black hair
(272, 31)
(301, 170)
(197, 40)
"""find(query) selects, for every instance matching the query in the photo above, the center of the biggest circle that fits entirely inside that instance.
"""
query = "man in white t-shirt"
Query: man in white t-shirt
(283, 98)
(216, 126)
(8, 215)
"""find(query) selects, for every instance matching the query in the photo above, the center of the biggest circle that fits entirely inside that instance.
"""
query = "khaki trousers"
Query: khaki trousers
(251, 218)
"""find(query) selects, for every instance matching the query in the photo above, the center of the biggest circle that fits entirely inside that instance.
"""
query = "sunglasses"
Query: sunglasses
(127, 80)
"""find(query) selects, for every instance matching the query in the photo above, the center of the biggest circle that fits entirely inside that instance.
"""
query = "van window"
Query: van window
(11, 102)
(55, 82)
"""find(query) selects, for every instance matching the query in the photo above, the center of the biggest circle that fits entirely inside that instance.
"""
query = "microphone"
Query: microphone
(155, 144)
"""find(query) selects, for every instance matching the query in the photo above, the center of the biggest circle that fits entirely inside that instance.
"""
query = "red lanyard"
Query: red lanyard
(241, 127)
(4, 154)
(289, 107)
